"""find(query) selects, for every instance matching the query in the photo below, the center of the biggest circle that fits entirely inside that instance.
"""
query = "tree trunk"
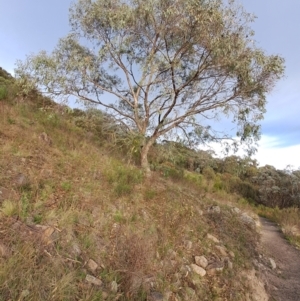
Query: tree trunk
(144, 156)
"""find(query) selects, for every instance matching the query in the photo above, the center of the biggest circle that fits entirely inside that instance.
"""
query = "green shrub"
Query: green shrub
(123, 178)
(168, 170)
(3, 92)
(123, 189)
(208, 173)
(218, 184)
(243, 188)
(149, 194)
(193, 178)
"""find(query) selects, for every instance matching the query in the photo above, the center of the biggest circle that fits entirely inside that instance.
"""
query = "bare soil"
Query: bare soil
(283, 282)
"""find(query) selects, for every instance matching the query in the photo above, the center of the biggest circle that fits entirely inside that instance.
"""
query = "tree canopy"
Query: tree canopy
(168, 65)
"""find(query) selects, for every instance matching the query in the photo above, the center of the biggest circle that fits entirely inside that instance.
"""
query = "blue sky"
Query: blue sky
(28, 26)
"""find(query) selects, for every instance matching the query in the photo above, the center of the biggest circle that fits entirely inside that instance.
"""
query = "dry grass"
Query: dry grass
(141, 232)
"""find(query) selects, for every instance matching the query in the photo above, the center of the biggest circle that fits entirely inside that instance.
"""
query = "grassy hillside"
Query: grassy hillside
(80, 222)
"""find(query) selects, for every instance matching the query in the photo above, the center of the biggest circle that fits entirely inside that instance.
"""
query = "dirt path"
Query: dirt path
(283, 282)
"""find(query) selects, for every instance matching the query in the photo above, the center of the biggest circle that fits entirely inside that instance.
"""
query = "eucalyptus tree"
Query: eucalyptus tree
(169, 66)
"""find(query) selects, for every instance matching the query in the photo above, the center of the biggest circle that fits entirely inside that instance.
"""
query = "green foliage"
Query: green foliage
(123, 178)
(149, 194)
(9, 208)
(208, 173)
(235, 184)
(123, 188)
(25, 206)
(277, 187)
(8, 86)
(66, 186)
(119, 217)
(5, 75)
(4, 87)
(94, 121)
(161, 82)
(3, 92)
(193, 178)
(37, 219)
(11, 120)
(218, 184)
(168, 170)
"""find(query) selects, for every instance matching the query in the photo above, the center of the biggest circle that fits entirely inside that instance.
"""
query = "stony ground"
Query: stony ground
(283, 275)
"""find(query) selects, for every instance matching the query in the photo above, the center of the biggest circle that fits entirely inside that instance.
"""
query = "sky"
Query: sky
(28, 26)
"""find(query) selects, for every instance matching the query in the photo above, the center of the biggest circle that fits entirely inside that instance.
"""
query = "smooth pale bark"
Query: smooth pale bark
(144, 156)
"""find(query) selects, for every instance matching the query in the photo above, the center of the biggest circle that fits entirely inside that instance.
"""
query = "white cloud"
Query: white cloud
(279, 157)
(268, 153)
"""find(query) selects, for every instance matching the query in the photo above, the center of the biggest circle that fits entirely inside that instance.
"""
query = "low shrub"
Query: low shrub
(168, 170)
(123, 178)
(208, 173)
(3, 92)
(193, 178)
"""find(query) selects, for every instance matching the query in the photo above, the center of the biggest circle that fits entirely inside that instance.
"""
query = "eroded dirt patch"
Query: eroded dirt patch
(283, 282)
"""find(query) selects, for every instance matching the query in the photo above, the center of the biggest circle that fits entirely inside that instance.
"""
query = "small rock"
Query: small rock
(213, 238)
(171, 254)
(188, 244)
(231, 254)
(214, 209)
(4, 194)
(199, 211)
(93, 280)
(273, 263)
(4, 251)
(48, 235)
(155, 296)
(215, 267)
(21, 180)
(92, 265)
(201, 261)
(198, 270)
(236, 210)
(222, 250)
(248, 220)
(41, 227)
(104, 295)
(230, 265)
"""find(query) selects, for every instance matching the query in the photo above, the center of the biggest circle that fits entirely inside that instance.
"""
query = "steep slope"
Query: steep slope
(80, 223)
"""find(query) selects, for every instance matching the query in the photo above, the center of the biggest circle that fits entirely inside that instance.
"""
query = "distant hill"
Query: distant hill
(5, 74)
